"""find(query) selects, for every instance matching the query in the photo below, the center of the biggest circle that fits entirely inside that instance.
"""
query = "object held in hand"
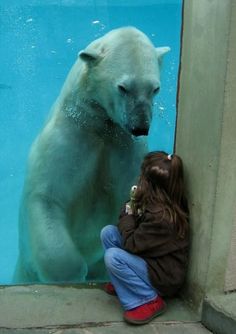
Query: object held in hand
(130, 205)
(132, 192)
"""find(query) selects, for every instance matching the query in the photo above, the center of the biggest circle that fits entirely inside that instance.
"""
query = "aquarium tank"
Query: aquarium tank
(44, 236)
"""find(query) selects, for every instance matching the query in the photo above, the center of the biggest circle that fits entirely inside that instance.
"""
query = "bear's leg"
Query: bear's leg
(97, 272)
(21, 276)
(54, 256)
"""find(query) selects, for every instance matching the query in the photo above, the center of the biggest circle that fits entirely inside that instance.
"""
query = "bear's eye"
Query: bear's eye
(122, 89)
(156, 90)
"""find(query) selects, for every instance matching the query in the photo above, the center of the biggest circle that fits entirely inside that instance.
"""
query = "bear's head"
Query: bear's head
(122, 76)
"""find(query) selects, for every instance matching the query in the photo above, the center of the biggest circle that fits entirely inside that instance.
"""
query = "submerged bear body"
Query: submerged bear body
(82, 164)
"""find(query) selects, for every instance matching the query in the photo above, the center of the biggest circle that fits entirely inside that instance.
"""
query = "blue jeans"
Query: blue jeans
(128, 272)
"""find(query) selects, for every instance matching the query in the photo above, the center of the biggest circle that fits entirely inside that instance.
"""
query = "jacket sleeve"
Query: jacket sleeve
(152, 236)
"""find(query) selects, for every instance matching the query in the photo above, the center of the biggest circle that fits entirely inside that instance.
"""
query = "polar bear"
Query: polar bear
(82, 164)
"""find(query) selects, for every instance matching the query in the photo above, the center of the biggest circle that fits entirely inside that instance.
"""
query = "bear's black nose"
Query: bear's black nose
(139, 132)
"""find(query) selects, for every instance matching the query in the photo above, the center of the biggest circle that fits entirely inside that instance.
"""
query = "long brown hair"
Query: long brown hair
(161, 184)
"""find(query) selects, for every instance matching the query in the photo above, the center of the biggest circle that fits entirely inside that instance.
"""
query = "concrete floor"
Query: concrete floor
(119, 328)
(68, 310)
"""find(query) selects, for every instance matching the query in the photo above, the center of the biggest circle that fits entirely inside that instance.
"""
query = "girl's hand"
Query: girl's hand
(128, 209)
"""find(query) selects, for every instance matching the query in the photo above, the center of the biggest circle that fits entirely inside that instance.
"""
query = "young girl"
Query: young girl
(146, 255)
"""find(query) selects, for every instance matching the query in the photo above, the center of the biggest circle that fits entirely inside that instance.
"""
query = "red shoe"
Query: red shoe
(144, 313)
(109, 288)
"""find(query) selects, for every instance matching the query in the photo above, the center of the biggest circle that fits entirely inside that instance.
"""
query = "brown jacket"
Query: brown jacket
(154, 238)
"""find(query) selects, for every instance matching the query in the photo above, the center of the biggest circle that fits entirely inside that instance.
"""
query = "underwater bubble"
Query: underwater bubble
(29, 20)
(33, 46)
(53, 51)
(100, 27)
(161, 111)
(69, 40)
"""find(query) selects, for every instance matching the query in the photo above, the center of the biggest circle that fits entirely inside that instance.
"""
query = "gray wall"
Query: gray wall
(206, 138)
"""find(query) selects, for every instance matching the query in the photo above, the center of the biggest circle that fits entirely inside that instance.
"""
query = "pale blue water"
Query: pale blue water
(39, 42)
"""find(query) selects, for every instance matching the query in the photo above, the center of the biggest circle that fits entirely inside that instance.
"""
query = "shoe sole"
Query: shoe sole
(143, 322)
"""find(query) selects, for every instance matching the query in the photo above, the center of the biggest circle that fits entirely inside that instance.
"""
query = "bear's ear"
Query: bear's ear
(89, 56)
(161, 51)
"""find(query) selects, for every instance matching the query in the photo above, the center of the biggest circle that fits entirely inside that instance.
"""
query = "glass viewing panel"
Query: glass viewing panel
(87, 156)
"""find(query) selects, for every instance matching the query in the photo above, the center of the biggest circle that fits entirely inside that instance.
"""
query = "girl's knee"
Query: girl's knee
(107, 232)
(112, 257)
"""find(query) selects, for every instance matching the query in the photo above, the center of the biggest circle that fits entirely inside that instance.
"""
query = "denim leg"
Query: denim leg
(129, 275)
(110, 237)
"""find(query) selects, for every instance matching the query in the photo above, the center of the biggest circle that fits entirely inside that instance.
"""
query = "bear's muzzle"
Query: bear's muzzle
(140, 131)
